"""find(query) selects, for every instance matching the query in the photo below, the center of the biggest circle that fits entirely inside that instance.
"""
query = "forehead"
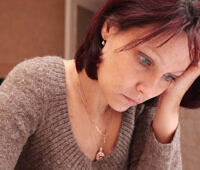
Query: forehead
(175, 50)
(174, 53)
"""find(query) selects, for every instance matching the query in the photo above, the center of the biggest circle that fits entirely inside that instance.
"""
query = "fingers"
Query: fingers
(184, 82)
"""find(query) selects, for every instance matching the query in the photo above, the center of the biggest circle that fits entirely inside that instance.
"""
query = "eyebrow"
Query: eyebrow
(158, 56)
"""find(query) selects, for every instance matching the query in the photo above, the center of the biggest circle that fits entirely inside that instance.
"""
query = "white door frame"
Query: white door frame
(71, 7)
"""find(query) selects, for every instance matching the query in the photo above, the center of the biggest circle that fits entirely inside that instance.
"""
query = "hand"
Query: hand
(174, 94)
(167, 112)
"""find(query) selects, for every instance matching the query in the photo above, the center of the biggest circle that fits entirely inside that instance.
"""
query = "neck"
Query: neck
(91, 92)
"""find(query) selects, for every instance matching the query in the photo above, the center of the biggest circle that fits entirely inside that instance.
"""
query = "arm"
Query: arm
(150, 153)
(166, 155)
(20, 110)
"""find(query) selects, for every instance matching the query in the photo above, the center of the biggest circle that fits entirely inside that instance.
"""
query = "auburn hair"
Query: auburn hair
(169, 15)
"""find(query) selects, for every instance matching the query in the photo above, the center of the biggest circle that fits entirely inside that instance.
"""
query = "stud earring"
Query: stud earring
(103, 42)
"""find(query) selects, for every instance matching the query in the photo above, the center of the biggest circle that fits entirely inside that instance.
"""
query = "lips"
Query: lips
(132, 101)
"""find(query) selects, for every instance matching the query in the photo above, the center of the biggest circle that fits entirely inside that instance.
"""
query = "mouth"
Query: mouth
(130, 100)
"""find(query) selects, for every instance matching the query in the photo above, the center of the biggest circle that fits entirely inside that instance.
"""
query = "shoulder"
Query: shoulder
(35, 64)
(32, 69)
(29, 76)
(23, 90)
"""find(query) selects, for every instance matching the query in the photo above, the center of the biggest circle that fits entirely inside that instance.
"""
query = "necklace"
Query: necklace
(100, 154)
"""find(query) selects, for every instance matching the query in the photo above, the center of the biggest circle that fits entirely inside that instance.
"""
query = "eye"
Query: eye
(172, 78)
(144, 60)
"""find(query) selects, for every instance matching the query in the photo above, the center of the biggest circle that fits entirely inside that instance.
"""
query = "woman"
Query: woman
(94, 111)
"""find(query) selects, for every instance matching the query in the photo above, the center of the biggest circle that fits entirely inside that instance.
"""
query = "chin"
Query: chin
(118, 103)
(119, 107)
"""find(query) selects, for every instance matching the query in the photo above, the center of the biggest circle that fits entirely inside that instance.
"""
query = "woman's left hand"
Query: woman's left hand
(174, 94)
(167, 112)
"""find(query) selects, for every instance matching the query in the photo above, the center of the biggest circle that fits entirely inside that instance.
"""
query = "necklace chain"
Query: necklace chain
(100, 153)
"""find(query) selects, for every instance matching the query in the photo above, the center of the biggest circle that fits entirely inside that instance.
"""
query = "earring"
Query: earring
(103, 42)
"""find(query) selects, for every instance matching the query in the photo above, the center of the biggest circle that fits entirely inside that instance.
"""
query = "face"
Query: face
(144, 69)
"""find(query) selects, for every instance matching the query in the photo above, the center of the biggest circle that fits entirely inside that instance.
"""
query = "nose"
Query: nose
(149, 87)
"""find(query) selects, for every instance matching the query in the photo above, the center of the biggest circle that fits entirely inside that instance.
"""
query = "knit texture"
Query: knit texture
(36, 134)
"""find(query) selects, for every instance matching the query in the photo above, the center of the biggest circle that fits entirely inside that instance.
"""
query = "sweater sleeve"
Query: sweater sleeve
(148, 153)
(20, 109)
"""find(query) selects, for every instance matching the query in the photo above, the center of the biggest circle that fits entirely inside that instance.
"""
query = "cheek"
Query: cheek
(112, 78)
(107, 79)
(112, 69)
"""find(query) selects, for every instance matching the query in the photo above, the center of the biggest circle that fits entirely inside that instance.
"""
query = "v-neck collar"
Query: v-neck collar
(120, 151)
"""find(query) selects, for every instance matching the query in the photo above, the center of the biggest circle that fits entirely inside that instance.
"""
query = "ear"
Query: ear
(108, 29)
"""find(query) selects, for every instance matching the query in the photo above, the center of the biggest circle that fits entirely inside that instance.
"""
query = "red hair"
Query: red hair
(173, 16)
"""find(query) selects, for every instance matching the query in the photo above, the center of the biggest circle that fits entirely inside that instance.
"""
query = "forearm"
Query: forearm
(154, 154)
(165, 123)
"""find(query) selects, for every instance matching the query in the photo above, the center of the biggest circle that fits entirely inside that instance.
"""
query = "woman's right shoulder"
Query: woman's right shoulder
(35, 64)
(31, 68)
(24, 86)
(29, 76)
(22, 92)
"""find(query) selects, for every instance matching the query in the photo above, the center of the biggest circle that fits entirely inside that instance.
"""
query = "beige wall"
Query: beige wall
(28, 29)
(190, 138)
(84, 16)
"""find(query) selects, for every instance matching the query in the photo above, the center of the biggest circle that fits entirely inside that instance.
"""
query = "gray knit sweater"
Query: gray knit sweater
(36, 134)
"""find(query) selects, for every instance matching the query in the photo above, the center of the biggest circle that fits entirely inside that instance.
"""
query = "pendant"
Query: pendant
(100, 154)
